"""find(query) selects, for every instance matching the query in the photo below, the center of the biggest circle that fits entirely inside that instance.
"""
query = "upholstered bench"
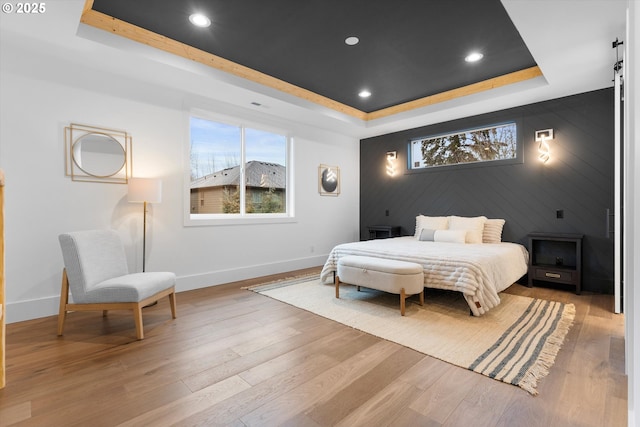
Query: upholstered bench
(388, 275)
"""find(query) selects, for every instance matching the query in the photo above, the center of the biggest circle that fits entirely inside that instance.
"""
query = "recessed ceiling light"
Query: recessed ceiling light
(364, 94)
(352, 41)
(199, 20)
(473, 57)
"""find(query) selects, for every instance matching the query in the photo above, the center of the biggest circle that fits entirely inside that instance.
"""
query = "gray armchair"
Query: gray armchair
(97, 275)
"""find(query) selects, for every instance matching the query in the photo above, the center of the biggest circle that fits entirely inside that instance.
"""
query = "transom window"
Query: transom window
(237, 171)
(498, 142)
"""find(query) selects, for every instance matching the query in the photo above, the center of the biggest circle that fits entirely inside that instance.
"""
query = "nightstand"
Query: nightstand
(555, 258)
(383, 231)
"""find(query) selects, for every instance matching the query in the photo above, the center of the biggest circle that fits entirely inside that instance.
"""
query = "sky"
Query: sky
(216, 146)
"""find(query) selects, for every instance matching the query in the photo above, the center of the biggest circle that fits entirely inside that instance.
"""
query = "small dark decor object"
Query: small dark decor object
(328, 180)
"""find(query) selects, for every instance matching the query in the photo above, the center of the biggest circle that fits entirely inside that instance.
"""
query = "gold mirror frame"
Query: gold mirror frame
(109, 155)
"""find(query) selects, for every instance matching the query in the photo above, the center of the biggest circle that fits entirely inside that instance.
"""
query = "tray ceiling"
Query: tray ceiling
(410, 53)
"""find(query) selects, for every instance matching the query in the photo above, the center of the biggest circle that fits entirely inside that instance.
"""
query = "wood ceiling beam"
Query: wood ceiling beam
(506, 79)
(124, 29)
(88, 5)
(141, 35)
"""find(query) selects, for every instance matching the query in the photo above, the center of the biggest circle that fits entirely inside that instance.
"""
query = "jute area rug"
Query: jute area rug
(515, 343)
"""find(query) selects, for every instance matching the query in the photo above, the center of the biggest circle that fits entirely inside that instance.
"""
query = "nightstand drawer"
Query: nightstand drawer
(555, 258)
(554, 275)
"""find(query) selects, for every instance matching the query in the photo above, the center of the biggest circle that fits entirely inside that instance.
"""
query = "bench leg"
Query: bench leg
(337, 280)
(403, 297)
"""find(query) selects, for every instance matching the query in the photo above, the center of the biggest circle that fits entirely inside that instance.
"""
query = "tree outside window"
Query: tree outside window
(477, 145)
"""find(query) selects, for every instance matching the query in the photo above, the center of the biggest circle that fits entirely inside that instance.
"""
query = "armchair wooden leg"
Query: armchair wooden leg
(64, 299)
(137, 316)
(172, 302)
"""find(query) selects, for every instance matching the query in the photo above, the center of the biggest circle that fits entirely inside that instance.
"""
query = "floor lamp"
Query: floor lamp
(144, 190)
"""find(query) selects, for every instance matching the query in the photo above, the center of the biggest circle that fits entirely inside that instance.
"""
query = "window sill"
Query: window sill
(203, 220)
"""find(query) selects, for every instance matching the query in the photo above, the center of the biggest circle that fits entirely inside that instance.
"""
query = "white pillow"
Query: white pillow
(492, 232)
(473, 226)
(450, 236)
(431, 223)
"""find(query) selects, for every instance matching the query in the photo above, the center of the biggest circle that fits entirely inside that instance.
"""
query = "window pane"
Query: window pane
(219, 184)
(477, 145)
(266, 172)
(215, 167)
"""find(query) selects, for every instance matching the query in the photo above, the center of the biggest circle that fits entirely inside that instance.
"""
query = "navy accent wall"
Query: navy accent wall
(577, 180)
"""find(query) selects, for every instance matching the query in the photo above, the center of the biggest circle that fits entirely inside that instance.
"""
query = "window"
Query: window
(487, 144)
(237, 172)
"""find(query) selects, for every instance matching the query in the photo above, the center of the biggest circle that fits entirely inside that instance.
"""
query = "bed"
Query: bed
(478, 270)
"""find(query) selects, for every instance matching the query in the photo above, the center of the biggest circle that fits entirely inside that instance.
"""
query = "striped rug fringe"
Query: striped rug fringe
(527, 350)
(550, 350)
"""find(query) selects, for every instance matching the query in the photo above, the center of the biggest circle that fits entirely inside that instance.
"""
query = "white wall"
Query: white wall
(37, 102)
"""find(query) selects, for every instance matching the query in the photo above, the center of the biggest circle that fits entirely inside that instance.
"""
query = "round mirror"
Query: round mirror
(98, 155)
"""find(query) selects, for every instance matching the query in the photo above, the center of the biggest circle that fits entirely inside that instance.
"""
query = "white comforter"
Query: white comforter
(479, 271)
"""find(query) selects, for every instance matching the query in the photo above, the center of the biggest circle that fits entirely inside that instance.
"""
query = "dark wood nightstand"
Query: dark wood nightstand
(555, 258)
(383, 231)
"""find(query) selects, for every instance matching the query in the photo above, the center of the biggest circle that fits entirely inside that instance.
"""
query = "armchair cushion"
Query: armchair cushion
(131, 287)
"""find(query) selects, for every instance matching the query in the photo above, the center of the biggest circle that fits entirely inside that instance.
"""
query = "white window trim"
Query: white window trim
(198, 220)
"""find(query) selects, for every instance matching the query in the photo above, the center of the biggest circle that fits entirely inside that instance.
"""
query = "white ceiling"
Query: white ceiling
(569, 39)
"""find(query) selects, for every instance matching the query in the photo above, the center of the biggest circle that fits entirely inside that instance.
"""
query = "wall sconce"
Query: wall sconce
(542, 136)
(391, 162)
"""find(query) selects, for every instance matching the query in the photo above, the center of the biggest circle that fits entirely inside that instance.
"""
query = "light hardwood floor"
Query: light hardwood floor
(237, 358)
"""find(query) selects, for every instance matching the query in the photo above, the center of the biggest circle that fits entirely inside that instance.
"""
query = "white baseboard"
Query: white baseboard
(20, 311)
(219, 277)
(32, 309)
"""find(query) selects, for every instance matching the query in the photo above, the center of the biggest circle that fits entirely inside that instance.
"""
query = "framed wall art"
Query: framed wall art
(328, 180)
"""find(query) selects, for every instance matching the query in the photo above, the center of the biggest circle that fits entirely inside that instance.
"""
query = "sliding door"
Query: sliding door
(619, 186)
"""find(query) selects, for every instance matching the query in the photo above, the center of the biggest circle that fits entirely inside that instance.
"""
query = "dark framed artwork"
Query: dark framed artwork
(328, 180)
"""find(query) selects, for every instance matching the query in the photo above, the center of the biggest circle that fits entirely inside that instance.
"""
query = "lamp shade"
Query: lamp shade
(145, 190)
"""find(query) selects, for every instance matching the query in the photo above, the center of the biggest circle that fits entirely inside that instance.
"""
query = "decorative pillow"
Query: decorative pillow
(427, 235)
(473, 226)
(450, 236)
(431, 223)
(492, 232)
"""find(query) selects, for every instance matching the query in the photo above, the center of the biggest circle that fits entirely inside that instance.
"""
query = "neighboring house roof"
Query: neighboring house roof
(259, 174)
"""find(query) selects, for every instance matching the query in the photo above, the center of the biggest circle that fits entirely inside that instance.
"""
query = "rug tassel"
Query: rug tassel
(549, 352)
